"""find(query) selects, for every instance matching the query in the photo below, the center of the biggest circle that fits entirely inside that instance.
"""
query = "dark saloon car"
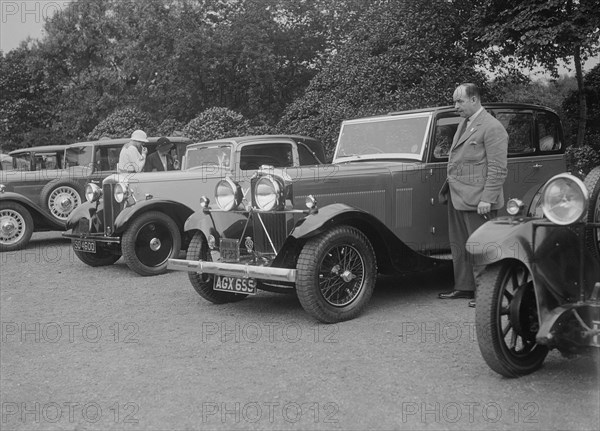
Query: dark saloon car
(541, 286)
(141, 216)
(374, 210)
(41, 200)
(38, 158)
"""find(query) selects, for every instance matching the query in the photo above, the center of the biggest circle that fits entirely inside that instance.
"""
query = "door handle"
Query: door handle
(537, 166)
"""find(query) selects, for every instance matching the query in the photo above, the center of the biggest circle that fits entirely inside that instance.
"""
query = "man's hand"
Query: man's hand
(484, 208)
(144, 151)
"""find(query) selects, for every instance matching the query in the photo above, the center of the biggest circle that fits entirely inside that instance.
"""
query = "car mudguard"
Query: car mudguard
(41, 217)
(231, 224)
(86, 210)
(176, 210)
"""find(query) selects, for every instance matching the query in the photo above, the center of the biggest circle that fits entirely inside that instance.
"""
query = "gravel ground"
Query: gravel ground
(102, 348)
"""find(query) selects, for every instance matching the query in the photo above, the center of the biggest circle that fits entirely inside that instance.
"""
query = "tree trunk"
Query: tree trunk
(582, 99)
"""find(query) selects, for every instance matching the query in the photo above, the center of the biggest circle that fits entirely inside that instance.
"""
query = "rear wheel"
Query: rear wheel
(203, 283)
(16, 226)
(149, 242)
(61, 197)
(507, 321)
(336, 274)
(592, 235)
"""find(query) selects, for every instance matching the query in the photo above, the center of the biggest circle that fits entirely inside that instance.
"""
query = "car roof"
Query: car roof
(38, 149)
(314, 144)
(123, 141)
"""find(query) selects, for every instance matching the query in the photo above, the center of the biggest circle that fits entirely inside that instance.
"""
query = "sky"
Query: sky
(22, 18)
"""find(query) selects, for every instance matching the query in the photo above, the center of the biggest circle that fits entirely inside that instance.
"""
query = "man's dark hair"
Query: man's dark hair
(471, 90)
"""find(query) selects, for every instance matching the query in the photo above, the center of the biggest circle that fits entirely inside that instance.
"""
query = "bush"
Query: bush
(122, 123)
(581, 160)
(216, 123)
(170, 127)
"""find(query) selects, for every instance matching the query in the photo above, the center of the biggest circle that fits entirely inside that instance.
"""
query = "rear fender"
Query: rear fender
(41, 217)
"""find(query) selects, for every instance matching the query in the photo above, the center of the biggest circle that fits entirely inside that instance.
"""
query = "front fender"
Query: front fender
(314, 224)
(176, 210)
(86, 210)
(40, 216)
(230, 224)
(502, 238)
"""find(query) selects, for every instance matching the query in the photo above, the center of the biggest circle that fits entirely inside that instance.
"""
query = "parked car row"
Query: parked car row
(266, 213)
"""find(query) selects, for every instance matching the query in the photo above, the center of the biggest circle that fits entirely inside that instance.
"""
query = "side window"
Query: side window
(306, 156)
(519, 126)
(445, 128)
(548, 129)
(274, 154)
(113, 157)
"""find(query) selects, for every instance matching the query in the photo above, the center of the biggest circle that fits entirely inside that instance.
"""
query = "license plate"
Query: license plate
(246, 286)
(84, 245)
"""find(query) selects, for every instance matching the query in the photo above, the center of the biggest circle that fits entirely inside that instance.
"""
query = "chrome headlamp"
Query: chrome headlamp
(228, 194)
(514, 206)
(121, 192)
(93, 192)
(564, 199)
(268, 194)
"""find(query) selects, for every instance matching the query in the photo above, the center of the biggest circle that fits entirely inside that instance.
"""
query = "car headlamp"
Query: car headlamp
(268, 194)
(514, 206)
(121, 192)
(228, 194)
(564, 199)
(93, 193)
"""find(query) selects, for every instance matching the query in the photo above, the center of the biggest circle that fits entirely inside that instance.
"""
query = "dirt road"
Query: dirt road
(102, 348)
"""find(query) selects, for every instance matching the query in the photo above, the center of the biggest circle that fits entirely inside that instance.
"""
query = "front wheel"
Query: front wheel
(16, 226)
(336, 274)
(149, 242)
(203, 283)
(506, 320)
(592, 235)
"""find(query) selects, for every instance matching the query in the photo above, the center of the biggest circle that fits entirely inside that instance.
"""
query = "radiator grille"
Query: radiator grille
(277, 227)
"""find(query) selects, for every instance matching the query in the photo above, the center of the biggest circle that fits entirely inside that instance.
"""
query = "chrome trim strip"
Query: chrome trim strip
(233, 270)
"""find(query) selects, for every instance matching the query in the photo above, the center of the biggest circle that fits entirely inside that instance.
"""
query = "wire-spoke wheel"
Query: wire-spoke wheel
(16, 226)
(203, 283)
(336, 274)
(592, 235)
(507, 321)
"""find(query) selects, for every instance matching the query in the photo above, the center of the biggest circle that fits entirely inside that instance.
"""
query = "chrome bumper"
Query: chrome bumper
(233, 270)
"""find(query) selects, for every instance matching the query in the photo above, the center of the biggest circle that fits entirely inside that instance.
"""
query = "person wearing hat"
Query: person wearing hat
(133, 154)
(161, 159)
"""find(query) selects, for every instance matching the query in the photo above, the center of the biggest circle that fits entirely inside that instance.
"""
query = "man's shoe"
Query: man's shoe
(456, 294)
(472, 303)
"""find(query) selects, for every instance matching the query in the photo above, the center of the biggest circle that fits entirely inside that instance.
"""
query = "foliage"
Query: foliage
(403, 55)
(122, 123)
(581, 160)
(216, 123)
(170, 127)
(592, 95)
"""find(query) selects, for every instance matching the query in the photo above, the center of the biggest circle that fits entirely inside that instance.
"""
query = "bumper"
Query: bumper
(233, 270)
(92, 237)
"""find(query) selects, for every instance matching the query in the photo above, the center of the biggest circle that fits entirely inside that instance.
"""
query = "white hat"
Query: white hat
(139, 135)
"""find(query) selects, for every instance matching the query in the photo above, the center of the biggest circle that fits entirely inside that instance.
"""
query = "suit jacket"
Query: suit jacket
(153, 163)
(477, 164)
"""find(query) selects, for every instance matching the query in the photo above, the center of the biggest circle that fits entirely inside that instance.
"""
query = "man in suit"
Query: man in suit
(477, 168)
(161, 159)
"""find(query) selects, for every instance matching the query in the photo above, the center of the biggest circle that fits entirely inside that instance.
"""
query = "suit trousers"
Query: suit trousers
(461, 224)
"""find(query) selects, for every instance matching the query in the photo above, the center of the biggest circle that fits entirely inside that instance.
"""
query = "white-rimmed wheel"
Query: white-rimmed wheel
(61, 197)
(506, 320)
(336, 274)
(203, 283)
(592, 235)
(16, 226)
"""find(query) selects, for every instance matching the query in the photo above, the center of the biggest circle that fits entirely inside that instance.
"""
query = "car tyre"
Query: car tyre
(336, 274)
(149, 242)
(16, 226)
(506, 320)
(102, 257)
(203, 283)
(592, 235)
(61, 197)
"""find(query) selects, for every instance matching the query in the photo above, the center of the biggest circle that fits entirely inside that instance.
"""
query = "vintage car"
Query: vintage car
(38, 158)
(540, 289)
(141, 216)
(42, 200)
(375, 209)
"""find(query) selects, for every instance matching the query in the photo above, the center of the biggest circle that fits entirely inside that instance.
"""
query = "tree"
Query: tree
(530, 32)
(403, 55)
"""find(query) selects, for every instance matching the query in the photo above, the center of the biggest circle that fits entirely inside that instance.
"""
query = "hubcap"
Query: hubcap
(155, 244)
(12, 226)
(342, 275)
(63, 201)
